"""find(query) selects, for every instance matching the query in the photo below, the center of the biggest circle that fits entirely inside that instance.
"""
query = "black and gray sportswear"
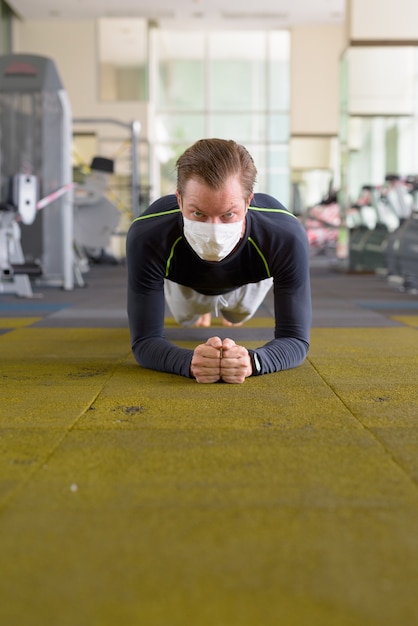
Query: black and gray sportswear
(274, 245)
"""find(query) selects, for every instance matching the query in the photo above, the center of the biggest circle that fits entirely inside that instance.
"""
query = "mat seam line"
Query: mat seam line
(8, 500)
(368, 429)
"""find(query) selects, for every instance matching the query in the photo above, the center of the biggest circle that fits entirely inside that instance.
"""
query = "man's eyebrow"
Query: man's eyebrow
(194, 207)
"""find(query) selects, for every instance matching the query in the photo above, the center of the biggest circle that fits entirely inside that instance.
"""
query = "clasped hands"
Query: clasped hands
(219, 359)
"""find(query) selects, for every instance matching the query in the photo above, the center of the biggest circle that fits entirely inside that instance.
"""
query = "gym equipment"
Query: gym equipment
(322, 223)
(35, 142)
(20, 205)
(402, 249)
(380, 211)
(360, 227)
(407, 253)
(138, 192)
(95, 217)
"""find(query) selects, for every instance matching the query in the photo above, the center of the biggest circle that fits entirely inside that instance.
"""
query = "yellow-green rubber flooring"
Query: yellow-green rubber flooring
(134, 498)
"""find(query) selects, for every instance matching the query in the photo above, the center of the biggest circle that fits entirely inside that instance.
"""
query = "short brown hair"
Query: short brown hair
(212, 161)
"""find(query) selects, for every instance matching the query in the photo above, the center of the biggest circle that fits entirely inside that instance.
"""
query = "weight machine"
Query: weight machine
(36, 235)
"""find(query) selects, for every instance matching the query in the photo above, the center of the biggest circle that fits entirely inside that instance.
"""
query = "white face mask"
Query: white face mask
(212, 242)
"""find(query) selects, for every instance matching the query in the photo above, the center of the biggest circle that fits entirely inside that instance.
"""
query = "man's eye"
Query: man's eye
(197, 214)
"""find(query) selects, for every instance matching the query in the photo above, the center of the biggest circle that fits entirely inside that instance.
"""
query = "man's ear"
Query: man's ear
(178, 196)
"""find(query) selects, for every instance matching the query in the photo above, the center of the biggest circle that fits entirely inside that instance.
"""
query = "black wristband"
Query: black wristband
(255, 363)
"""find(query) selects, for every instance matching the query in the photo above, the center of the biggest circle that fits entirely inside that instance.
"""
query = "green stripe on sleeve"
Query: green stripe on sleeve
(261, 255)
(167, 267)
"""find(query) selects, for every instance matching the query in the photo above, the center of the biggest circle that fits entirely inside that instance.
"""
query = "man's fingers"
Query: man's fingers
(207, 379)
(235, 363)
(214, 342)
(206, 359)
(217, 359)
(228, 343)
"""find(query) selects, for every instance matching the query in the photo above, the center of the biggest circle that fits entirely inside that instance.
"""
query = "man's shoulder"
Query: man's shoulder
(269, 213)
(166, 205)
(156, 226)
(264, 204)
(161, 216)
(271, 221)
(265, 200)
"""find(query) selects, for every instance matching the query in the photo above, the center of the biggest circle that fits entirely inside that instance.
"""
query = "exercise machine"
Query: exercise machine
(19, 206)
(402, 249)
(96, 218)
(35, 146)
(380, 213)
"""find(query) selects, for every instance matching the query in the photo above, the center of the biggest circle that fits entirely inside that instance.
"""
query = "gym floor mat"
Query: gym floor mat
(134, 497)
(409, 320)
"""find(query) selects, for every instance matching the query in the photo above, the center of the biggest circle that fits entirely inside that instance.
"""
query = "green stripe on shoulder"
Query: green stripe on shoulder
(267, 210)
(149, 215)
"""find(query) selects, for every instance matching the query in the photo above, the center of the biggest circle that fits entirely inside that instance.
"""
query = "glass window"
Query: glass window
(278, 185)
(181, 127)
(273, 173)
(278, 157)
(168, 167)
(279, 70)
(228, 84)
(181, 70)
(123, 59)
(242, 127)
(176, 78)
(278, 127)
(237, 70)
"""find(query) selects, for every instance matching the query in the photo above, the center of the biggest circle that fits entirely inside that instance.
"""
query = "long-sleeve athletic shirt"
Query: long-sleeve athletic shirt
(274, 245)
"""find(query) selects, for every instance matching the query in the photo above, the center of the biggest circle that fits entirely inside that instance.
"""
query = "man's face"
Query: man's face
(203, 204)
